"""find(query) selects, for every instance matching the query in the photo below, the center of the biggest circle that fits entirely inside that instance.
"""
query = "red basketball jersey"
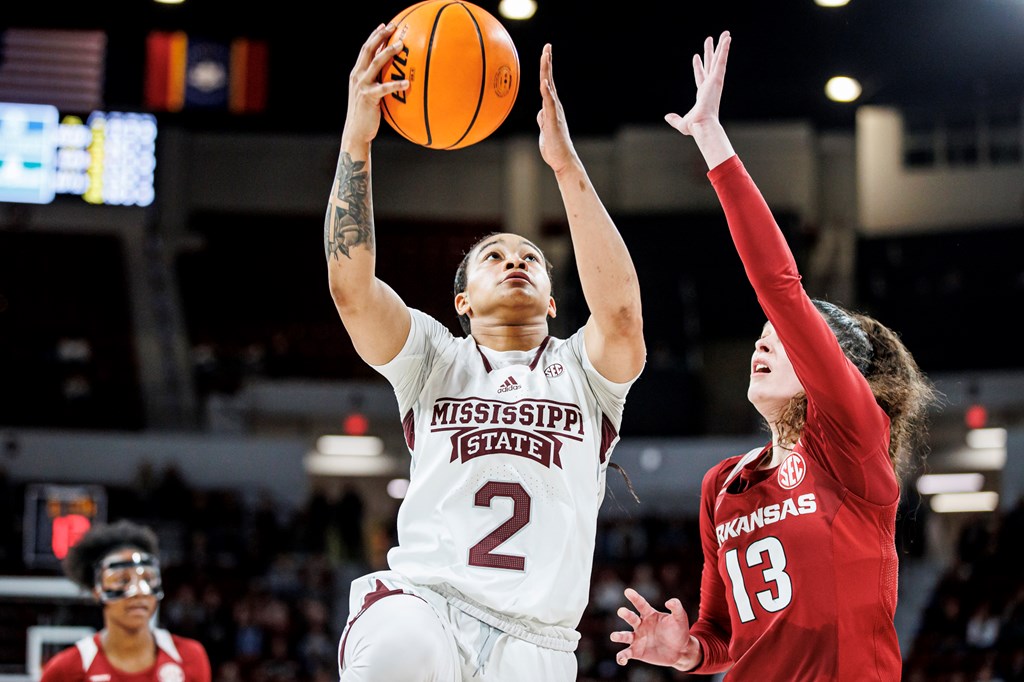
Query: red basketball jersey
(800, 566)
(178, 659)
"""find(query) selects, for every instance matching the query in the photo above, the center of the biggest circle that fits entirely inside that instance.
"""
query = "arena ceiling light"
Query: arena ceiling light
(843, 89)
(349, 456)
(317, 464)
(350, 446)
(932, 484)
(951, 503)
(517, 10)
(982, 439)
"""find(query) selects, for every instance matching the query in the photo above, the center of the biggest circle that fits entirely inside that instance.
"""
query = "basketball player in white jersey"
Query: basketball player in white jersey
(510, 430)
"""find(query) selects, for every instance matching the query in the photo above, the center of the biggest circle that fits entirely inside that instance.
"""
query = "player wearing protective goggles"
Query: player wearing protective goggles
(127, 573)
(119, 565)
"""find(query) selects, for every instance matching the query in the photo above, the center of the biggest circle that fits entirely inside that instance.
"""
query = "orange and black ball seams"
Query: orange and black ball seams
(419, 63)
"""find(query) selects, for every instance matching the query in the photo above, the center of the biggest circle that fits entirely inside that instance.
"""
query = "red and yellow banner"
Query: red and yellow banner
(166, 59)
(248, 83)
(191, 73)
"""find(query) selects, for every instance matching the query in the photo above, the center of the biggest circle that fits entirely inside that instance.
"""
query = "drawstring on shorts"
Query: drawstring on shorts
(485, 649)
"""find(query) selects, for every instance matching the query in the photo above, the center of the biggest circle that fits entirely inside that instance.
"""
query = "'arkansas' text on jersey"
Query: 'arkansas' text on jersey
(763, 516)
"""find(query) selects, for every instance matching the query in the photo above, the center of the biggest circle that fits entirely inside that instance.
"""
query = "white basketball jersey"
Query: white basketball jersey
(509, 454)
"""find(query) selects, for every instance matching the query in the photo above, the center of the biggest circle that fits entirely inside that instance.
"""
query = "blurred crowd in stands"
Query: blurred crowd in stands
(972, 628)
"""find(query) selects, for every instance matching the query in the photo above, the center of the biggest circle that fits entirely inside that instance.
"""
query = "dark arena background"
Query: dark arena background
(169, 350)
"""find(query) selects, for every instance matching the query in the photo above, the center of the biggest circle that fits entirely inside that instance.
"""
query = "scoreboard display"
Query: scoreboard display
(56, 516)
(106, 158)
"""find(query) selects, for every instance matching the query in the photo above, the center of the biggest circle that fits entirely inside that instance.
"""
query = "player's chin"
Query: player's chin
(759, 394)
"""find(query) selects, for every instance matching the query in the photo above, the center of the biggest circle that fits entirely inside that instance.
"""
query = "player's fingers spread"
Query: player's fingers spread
(723, 46)
(622, 637)
(722, 53)
(631, 618)
(698, 70)
(723, 58)
(638, 601)
(675, 607)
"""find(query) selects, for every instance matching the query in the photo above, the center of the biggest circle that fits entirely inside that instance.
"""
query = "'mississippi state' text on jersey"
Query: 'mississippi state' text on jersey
(509, 455)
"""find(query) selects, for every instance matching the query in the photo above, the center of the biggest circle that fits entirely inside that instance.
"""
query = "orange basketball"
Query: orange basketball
(463, 72)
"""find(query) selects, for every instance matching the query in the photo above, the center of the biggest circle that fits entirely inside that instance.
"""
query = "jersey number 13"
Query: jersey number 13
(769, 555)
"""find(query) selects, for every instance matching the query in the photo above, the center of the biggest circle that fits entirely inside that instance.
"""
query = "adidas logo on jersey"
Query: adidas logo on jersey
(509, 385)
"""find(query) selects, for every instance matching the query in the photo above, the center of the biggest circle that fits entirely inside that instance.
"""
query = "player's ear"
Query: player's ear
(552, 308)
(462, 303)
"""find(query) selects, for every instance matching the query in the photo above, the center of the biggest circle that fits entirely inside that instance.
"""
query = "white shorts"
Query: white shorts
(401, 632)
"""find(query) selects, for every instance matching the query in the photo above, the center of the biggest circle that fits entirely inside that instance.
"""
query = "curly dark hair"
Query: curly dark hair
(900, 388)
(101, 540)
(461, 276)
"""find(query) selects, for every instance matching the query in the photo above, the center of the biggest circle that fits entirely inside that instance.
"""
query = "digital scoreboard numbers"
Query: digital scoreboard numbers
(56, 516)
(107, 159)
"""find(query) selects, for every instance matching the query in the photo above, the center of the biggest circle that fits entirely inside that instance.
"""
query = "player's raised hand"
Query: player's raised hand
(362, 120)
(656, 637)
(555, 145)
(709, 74)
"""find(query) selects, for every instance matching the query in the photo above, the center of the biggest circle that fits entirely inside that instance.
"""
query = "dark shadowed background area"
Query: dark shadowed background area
(615, 64)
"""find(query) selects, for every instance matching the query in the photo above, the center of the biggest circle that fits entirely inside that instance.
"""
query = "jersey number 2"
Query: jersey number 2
(482, 554)
(774, 572)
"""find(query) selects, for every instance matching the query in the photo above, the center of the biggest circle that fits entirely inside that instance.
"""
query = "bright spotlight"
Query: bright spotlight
(842, 89)
(517, 10)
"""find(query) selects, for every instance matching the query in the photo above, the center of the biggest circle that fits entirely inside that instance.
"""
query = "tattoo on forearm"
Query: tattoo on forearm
(349, 220)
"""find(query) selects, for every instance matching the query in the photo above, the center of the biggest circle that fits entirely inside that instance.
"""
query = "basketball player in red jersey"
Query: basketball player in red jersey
(510, 429)
(119, 564)
(799, 578)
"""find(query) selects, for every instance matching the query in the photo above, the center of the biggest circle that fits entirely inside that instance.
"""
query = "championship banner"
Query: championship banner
(194, 73)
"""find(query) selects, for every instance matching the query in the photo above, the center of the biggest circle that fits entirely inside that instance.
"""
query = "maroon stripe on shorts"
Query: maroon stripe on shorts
(369, 600)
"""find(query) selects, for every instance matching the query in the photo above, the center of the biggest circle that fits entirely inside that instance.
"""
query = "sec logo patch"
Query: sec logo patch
(170, 672)
(791, 471)
(552, 371)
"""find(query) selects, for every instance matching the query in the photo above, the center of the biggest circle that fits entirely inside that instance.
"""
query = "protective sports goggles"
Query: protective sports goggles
(121, 576)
